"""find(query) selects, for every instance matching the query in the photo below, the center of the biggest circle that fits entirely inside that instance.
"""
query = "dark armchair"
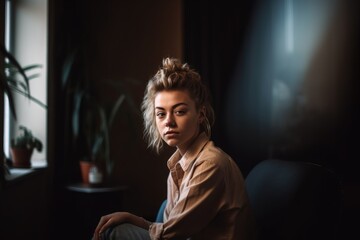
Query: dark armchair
(295, 200)
(292, 201)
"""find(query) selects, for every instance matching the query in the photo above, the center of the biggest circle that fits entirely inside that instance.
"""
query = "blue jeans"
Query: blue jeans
(126, 231)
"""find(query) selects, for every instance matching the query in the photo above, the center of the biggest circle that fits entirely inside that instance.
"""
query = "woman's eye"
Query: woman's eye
(180, 112)
(160, 114)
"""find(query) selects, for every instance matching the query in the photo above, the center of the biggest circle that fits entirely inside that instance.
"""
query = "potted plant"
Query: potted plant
(14, 78)
(89, 119)
(92, 122)
(22, 147)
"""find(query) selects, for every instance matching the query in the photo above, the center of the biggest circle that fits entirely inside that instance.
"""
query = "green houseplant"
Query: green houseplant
(15, 78)
(22, 147)
(89, 120)
(92, 121)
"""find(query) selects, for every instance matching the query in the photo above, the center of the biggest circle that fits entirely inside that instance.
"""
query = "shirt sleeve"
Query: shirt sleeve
(199, 201)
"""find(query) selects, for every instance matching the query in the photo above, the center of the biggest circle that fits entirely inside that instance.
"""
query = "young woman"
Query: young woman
(206, 196)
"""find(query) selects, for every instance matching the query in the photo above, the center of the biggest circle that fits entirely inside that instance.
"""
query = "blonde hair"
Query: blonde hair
(173, 75)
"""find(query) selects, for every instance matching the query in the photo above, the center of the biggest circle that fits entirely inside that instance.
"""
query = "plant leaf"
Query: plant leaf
(97, 145)
(34, 76)
(10, 97)
(32, 66)
(67, 67)
(115, 109)
(14, 83)
(41, 104)
(13, 61)
(78, 98)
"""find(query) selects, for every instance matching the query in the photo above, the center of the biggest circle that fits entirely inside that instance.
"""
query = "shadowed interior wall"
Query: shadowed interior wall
(122, 40)
(130, 40)
(284, 77)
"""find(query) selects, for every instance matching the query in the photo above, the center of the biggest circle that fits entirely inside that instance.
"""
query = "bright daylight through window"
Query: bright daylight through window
(26, 39)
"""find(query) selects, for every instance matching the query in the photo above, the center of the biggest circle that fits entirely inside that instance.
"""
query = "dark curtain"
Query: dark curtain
(214, 33)
(234, 46)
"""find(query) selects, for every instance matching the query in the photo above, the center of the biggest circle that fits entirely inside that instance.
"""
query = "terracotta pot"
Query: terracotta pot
(21, 157)
(85, 169)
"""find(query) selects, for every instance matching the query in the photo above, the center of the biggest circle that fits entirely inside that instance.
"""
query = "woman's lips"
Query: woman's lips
(171, 134)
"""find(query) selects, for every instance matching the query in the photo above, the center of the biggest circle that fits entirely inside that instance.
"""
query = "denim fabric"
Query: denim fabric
(126, 231)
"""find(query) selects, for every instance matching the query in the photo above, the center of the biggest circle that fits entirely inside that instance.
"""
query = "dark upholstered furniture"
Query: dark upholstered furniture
(295, 200)
(292, 200)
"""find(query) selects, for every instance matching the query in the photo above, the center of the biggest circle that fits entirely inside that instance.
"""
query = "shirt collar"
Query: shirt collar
(190, 155)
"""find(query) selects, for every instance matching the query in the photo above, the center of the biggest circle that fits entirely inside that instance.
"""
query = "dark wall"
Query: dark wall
(270, 102)
(24, 207)
(284, 78)
(214, 38)
(119, 41)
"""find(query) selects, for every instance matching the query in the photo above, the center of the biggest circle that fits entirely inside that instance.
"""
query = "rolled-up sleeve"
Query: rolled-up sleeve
(156, 230)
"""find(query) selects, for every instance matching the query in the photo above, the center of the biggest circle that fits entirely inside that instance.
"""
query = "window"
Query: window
(26, 38)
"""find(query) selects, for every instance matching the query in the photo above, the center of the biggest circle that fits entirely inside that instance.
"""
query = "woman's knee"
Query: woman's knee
(126, 231)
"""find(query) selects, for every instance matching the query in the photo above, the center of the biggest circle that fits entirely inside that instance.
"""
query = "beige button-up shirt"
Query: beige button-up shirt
(207, 198)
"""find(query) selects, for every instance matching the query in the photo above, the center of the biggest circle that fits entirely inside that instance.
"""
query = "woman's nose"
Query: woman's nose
(169, 122)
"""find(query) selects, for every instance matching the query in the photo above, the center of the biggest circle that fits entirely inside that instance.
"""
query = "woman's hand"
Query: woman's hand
(109, 221)
(117, 218)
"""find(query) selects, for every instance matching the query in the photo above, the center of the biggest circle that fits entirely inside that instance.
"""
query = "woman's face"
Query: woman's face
(177, 119)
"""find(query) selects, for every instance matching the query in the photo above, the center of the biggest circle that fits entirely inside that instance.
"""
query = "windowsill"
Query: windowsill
(16, 173)
(19, 174)
(87, 188)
